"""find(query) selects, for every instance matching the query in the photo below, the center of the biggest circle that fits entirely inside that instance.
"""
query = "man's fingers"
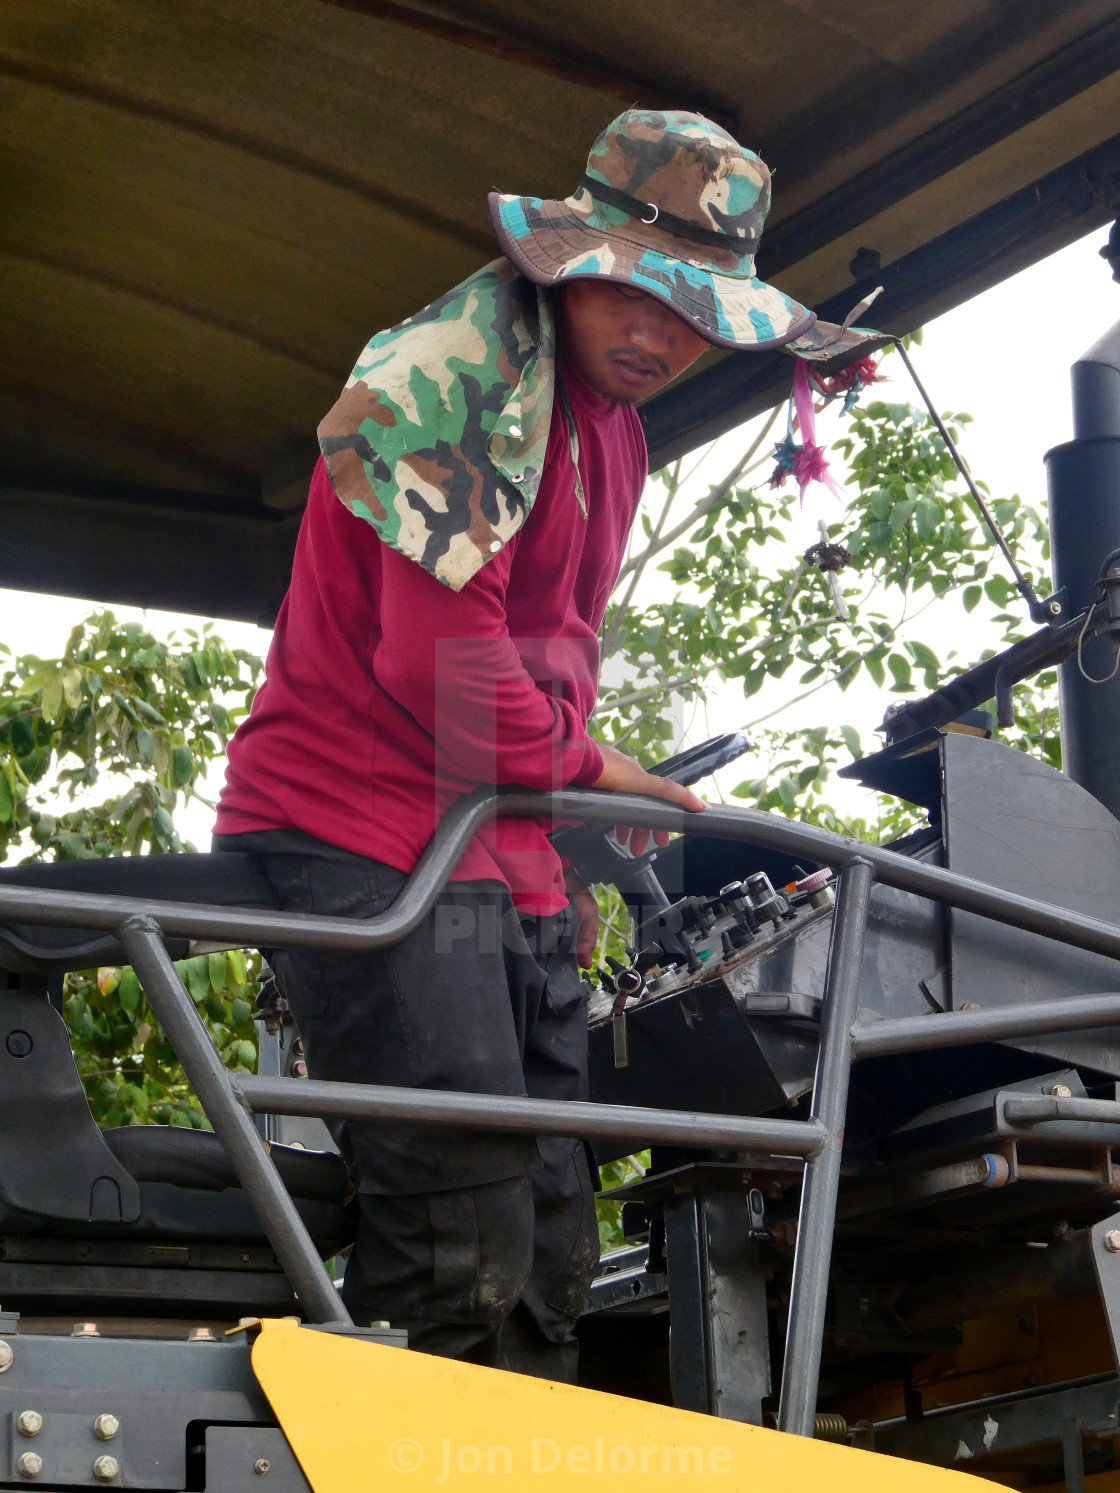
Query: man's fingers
(673, 793)
(587, 910)
(655, 787)
(683, 796)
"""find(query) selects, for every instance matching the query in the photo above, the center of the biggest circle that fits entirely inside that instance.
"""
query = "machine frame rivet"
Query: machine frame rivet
(1061, 1091)
(261, 1466)
(105, 1427)
(30, 1423)
(105, 1469)
(7, 1356)
(30, 1464)
(1112, 1241)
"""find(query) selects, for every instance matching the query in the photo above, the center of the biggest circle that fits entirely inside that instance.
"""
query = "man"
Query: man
(463, 533)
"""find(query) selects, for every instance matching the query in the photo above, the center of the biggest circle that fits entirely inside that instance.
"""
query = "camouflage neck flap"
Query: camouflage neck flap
(439, 438)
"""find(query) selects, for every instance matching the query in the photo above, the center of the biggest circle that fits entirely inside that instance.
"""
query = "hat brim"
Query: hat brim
(549, 244)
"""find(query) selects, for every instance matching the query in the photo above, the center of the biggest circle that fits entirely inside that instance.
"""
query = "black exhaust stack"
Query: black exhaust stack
(1084, 486)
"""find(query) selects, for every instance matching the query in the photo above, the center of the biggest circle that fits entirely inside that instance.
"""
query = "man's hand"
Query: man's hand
(621, 774)
(587, 910)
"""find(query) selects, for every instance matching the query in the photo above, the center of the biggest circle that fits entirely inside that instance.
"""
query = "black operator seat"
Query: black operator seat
(62, 1176)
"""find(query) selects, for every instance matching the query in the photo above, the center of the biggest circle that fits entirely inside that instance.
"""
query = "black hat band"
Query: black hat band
(634, 207)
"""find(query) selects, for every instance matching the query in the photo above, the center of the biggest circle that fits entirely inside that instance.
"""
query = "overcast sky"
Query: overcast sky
(1003, 357)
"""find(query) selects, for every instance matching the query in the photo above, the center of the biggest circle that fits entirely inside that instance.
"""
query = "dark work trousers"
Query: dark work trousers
(483, 1246)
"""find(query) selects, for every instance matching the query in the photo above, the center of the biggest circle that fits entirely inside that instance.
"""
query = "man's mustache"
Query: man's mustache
(647, 362)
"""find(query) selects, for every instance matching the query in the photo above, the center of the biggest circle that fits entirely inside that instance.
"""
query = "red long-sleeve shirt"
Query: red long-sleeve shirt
(387, 695)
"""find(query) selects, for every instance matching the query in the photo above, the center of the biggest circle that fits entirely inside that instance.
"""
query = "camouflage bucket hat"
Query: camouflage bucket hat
(672, 205)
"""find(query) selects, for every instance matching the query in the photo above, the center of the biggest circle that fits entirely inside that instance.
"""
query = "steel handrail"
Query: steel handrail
(358, 1101)
(874, 1039)
(40, 905)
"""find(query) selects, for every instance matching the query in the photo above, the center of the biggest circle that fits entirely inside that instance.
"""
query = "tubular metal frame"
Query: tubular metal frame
(230, 1102)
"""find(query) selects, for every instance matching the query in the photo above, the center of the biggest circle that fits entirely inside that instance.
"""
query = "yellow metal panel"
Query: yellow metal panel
(362, 1417)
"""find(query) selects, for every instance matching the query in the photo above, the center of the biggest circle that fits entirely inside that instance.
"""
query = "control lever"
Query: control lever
(597, 855)
(701, 761)
(619, 1035)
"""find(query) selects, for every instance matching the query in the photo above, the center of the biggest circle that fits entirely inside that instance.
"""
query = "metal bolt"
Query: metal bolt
(6, 1356)
(1053, 607)
(19, 1044)
(105, 1427)
(85, 1329)
(30, 1423)
(382, 1323)
(1112, 1241)
(299, 1068)
(261, 1465)
(201, 1335)
(105, 1469)
(30, 1464)
(1061, 1091)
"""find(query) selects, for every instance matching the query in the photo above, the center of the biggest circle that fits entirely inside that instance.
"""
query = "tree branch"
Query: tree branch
(623, 606)
(658, 542)
(885, 641)
(715, 496)
(635, 697)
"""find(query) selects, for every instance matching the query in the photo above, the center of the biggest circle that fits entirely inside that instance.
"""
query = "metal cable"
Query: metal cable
(1026, 589)
(1080, 666)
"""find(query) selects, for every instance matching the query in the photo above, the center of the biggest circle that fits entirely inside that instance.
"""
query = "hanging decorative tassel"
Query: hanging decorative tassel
(785, 454)
(805, 459)
(850, 381)
(811, 464)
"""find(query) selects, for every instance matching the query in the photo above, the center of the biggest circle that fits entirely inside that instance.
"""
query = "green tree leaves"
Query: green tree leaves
(128, 1069)
(121, 728)
(121, 706)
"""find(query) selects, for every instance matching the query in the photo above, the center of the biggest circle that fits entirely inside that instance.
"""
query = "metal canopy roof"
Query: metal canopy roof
(207, 210)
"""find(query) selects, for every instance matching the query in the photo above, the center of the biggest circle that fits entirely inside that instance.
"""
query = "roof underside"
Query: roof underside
(208, 209)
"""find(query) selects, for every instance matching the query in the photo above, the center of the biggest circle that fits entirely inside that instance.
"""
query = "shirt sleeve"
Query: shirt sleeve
(448, 659)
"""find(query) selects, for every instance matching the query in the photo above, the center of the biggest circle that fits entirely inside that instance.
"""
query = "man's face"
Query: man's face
(622, 343)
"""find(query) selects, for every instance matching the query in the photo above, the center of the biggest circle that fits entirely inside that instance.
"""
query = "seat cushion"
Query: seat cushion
(224, 880)
(189, 1194)
(197, 1159)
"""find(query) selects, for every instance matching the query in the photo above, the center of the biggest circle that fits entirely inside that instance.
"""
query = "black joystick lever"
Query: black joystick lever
(701, 761)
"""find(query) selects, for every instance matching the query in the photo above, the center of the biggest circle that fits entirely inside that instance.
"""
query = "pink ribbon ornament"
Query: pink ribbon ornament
(809, 461)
